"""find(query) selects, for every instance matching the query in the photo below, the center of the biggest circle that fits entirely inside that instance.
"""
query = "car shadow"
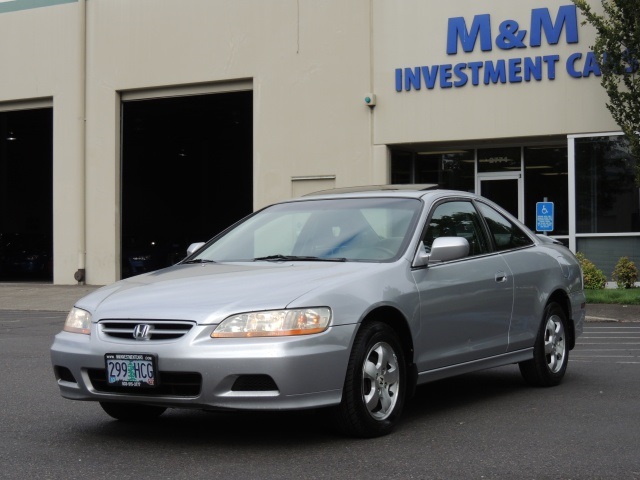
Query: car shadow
(460, 392)
(197, 427)
(255, 429)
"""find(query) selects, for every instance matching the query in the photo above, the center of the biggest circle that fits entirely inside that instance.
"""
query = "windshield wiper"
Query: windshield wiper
(300, 258)
(200, 260)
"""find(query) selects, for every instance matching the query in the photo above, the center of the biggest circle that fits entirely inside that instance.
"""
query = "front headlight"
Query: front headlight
(274, 323)
(78, 321)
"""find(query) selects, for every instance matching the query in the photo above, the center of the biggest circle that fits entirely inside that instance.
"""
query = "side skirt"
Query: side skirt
(474, 366)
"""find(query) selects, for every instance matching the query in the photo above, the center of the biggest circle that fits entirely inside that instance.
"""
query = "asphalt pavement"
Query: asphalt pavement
(486, 425)
(60, 298)
(483, 425)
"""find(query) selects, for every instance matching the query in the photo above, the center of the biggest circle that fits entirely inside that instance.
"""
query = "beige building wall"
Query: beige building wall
(40, 55)
(309, 63)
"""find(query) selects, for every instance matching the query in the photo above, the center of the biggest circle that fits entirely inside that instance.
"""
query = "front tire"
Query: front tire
(132, 412)
(550, 352)
(375, 385)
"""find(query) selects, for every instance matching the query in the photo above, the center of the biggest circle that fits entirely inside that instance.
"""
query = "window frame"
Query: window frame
(481, 230)
(525, 231)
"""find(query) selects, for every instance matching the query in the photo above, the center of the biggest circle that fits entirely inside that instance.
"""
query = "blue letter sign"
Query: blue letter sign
(512, 35)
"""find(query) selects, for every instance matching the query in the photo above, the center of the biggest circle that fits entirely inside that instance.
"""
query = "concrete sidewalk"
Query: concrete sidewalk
(60, 298)
(39, 296)
(600, 312)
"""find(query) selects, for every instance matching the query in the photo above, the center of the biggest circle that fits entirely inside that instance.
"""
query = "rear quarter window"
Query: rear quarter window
(506, 234)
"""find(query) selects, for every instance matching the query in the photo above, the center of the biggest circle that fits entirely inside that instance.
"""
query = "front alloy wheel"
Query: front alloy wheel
(550, 352)
(554, 344)
(374, 388)
(380, 380)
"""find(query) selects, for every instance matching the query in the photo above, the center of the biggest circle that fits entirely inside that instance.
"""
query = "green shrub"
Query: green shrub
(618, 296)
(594, 278)
(625, 274)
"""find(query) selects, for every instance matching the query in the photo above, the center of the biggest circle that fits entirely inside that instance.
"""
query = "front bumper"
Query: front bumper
(306, 371)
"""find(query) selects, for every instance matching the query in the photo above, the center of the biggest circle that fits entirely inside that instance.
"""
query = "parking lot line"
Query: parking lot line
(608, 344)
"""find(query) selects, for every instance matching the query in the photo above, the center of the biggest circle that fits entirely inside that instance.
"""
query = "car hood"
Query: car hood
(208, 293)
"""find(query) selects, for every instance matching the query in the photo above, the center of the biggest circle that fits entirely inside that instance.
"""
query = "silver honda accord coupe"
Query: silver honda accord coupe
(344, 300)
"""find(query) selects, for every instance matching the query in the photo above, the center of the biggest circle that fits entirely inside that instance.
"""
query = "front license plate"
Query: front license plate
(131, 369)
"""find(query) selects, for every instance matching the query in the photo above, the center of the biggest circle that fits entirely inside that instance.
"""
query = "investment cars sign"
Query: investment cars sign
(484, 33)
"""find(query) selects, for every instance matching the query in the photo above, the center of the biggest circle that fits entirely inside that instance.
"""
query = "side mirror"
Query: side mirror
(444, 249)
(194, 247)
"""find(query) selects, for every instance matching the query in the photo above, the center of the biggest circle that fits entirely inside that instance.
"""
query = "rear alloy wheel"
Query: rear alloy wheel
(132, 412)
(550, 352)
(374, 388)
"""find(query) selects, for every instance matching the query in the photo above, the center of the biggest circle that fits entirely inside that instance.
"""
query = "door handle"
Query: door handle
(501, 277)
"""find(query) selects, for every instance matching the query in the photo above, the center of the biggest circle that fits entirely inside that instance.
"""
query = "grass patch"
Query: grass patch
(620, 296)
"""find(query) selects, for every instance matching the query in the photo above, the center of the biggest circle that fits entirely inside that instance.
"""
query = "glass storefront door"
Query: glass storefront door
(505, 190)
(515, 177)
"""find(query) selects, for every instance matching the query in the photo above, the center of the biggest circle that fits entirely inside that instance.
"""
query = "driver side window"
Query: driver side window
(456, 219)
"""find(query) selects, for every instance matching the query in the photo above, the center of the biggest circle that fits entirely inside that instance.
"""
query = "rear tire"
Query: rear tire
(550, 352)
(375, 385)
(132, 412)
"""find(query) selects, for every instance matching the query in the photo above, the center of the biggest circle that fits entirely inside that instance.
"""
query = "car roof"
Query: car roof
(375, 188)
(368, 191)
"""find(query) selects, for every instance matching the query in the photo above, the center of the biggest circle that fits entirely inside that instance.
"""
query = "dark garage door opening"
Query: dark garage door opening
(187, 174)
(26, 195)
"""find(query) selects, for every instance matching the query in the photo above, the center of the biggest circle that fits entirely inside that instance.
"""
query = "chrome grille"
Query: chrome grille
(158, 329)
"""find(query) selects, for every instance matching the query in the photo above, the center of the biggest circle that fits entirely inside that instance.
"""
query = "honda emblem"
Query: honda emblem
(142, 332)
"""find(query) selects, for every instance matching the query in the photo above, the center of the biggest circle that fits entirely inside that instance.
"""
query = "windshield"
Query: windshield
(371, 229)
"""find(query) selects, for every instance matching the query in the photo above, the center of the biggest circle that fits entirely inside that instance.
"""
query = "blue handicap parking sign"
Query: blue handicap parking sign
(544, 217)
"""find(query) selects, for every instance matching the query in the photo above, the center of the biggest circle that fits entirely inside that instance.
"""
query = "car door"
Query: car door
(465, 304)
(528, 268)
